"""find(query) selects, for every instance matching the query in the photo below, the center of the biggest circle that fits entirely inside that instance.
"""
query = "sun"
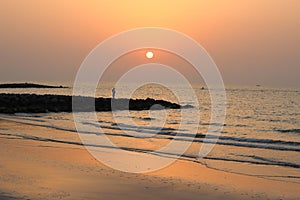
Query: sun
(149, 54)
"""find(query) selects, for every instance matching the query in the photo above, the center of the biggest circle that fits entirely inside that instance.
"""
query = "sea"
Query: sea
(260, 135)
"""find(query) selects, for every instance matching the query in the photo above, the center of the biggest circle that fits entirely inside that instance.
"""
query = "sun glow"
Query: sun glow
(149, 54)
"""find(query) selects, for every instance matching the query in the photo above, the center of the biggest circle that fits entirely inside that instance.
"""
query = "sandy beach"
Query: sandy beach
(34, 169)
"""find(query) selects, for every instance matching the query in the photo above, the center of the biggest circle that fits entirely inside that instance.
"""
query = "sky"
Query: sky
(251, 41)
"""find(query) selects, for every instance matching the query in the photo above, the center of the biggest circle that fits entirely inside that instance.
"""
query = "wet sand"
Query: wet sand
(32, 169)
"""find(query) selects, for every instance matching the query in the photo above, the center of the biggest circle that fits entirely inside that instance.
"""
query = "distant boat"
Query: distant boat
(258, 85)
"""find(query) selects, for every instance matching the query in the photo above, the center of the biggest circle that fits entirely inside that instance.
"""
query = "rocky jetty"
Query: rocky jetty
(32, 103)
(28, 85)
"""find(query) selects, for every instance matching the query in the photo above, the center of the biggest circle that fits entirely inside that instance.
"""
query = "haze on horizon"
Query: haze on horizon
(252, 42)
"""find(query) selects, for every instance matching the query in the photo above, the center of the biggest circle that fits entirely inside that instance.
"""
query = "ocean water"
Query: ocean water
(260, 136)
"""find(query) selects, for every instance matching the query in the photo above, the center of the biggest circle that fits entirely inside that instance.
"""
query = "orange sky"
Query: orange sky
(252, 42)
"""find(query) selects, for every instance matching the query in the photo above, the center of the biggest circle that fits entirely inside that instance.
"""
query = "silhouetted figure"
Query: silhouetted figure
(113, 93)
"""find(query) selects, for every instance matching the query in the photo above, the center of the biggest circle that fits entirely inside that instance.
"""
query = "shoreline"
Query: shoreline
(75, 174)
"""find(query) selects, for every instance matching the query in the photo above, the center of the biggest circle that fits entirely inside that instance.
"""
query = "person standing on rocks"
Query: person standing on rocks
(113, 93)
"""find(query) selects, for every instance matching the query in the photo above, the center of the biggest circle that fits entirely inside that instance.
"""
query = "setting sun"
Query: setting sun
(149, 54)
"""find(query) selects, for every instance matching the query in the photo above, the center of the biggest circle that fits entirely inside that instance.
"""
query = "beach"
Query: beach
(149, 100)
(36, 169)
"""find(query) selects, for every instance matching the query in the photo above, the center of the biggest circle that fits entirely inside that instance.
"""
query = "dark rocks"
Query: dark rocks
(32, 103)
(28, 85)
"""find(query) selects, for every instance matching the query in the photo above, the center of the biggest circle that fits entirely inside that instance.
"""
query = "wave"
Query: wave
(144, 118)
(223, 140)
(203, 136)
(248, 145)
(163, 154)
(126, 127)
(181, 136)
(287, 130)
(274, 163)
(249, 140)
(147, 118)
